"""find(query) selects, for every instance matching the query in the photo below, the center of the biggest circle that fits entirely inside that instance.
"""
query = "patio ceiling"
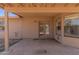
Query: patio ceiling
(43, 9)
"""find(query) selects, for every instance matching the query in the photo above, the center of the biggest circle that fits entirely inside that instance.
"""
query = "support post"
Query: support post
(6, 32)
(62, 27)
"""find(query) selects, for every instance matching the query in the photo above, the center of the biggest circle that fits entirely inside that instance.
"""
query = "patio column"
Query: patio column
(62, 27)
(6, 33)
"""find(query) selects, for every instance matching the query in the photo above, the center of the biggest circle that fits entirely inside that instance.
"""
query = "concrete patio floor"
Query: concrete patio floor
(41, 47)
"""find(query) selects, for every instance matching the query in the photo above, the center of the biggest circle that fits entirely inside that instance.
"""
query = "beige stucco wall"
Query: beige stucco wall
(27, 27)
(14, 26)
(74, 42)
(30, 26)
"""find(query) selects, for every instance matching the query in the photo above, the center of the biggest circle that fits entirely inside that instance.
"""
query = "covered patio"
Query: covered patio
(41, 47)
(41, 26)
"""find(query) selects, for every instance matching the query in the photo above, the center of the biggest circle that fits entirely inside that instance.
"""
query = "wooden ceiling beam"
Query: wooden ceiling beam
(66, 4)
(31, 5)
(9, 5)
(76, 5)
(42, 7)
(21, 5)
(2, 5)
(17, 15)
(53, 5)
(36, 5)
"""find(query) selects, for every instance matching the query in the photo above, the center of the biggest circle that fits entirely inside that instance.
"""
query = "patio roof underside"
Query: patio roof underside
(42, 9)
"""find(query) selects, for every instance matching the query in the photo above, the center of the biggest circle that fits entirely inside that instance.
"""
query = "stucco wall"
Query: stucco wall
(26, 27)
(74, 42)
(30, 26)
(14, 27)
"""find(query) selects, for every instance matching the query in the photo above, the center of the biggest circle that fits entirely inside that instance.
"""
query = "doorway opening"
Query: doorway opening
(44, 30)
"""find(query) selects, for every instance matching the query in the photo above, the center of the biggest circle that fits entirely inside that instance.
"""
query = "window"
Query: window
(71, 27)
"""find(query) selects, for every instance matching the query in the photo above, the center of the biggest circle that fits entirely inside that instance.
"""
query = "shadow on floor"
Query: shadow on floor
(12, 42)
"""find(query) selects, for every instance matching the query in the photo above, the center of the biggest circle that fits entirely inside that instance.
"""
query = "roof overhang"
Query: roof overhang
(42, 7)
